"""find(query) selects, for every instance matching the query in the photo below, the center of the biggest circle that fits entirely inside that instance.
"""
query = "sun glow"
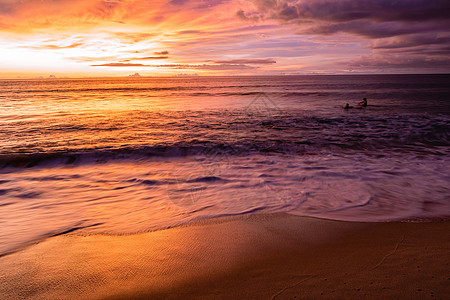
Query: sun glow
(112, 37)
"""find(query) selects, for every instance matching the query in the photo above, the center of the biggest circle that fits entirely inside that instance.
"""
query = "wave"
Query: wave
(27, 160)
(214, 151)
(240, 135)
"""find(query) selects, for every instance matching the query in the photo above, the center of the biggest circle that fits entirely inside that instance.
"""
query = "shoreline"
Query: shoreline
(276, 256)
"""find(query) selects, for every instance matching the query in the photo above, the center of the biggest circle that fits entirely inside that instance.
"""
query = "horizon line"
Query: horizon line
(197, 75)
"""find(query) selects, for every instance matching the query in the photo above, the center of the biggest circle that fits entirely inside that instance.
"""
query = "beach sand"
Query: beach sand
(277, 256)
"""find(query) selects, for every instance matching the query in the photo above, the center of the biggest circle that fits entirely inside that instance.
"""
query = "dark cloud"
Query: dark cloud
(220, 67)
(399, 34)
(252, 16)
(349, 10)
(196, 4)
(429, 50)
(257, 61)
(370, 18)
(371, 29)
(178, 2)
(241, 15)
(191, 32)
(165, 52)
(8, 8)
(182, 66)
(408, 41)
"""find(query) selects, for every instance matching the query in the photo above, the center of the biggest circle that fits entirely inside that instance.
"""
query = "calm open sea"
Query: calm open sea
(135, 154)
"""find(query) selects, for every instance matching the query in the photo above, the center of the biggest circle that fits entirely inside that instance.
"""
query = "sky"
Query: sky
(78, 38)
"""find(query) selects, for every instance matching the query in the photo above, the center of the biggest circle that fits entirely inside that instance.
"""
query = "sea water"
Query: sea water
(127, 155)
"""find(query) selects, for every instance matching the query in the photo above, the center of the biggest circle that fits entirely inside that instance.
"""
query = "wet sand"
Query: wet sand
(252, 257)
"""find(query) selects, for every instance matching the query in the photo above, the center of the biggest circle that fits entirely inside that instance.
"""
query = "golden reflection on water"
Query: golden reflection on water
(50, 116)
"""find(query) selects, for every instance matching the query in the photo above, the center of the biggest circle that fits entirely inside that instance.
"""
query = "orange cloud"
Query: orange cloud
(59, 15)
(53, 47)
(120, 65)
(148, 58)
(92, 59)
(134, 37)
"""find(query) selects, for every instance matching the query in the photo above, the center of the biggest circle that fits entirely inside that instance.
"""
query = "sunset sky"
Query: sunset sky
(219, 37)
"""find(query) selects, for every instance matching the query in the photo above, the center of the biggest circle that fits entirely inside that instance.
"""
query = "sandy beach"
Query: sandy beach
(252, 257)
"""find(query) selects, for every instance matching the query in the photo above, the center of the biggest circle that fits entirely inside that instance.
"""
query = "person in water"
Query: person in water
(363, 102)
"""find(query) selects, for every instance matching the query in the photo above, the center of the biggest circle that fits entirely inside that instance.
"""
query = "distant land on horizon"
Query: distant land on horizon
(55, 77)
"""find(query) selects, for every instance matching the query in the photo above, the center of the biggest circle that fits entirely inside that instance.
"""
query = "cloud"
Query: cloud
(413, 53)
(147, 58)
(178, 2)
(370, 18)
(197, 4)
(120, 65)
(219, 67)
(252, 16)
(27, 16)
(418, 29)
(92, 59)
(44, 11)
(55, 47)
(407, 41)
(122, 58)
(257, 61)
(372, 29)
(182, 66)
(410, 63)
(134, 37)
(191, 32)
(349, 10)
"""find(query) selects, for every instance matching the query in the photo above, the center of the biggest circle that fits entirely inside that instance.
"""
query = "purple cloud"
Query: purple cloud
(119, 65)
(407, 41)
(349, 10)
(400, 34)
(370, 18)
(197, 4)
(400, 62)
(255, 61)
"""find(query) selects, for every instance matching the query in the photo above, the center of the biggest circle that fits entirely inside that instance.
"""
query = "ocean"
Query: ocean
(127, 155)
